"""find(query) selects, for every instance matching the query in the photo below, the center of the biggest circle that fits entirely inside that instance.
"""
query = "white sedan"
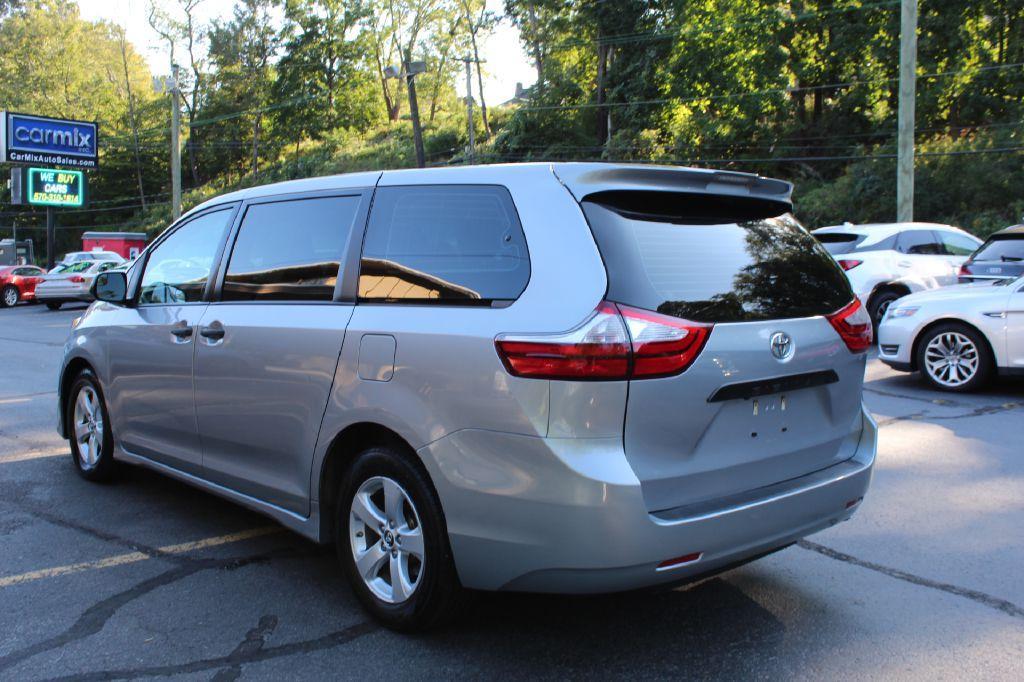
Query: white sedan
(958, 337)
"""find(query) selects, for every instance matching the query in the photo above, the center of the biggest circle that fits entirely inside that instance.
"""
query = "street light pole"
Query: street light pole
(471, 151)
(414, 111)
(905, 124)
(175, 145)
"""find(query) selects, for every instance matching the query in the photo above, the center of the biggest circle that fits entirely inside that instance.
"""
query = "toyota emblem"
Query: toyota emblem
(782, 346)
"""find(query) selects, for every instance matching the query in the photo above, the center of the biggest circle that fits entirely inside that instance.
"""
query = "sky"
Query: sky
(505, 62)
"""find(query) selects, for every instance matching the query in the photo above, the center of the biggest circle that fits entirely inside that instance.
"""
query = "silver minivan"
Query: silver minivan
(572, 378)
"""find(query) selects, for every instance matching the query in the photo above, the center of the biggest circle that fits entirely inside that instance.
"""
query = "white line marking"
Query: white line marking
(135, 557)
(11, 401)
(7, 459)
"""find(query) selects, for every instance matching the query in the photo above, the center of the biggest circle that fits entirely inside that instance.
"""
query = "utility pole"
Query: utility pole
(411, 71)
(905, 125)
(175, 145)
(471, 150)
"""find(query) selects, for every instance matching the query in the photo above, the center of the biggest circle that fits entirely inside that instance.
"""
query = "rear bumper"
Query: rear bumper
(567, 515)
(63, 295)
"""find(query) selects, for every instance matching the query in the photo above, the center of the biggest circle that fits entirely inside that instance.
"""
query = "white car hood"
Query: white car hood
(957, 292)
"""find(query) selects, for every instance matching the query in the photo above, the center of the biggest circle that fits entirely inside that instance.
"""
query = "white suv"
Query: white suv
(889, 260)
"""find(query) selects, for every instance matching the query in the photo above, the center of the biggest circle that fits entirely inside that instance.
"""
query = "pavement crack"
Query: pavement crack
(328, 641)
(254, 641)
(976, 412)
(106, 536)
(1007, 607)
(94, 618)
(945, 402)
(32, 342)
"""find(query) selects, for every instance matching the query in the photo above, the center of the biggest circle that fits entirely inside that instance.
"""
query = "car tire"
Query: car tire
(397, 495)
(88, 427)
(10, 296)
(53, 305)
(967, 347)
(879, 305)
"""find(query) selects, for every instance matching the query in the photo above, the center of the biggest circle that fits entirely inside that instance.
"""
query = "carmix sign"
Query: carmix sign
(49, 187)
(51, 141)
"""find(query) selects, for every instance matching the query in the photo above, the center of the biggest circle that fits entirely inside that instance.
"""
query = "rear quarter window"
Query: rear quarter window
(758, 268)
(448, 244)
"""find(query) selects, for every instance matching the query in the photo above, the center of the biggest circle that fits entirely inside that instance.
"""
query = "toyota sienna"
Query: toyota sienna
(572, 378)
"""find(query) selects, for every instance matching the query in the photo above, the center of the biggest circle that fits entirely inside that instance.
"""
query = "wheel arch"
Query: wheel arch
(947, 320)
(899, 287)
(345, 445)
(72, 369)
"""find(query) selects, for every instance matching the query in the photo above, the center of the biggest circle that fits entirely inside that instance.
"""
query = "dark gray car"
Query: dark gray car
(558, 378)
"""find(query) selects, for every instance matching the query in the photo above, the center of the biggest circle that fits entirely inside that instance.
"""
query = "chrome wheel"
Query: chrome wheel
(10, 297)
(951, 359)
(88, 427)
(387, 539)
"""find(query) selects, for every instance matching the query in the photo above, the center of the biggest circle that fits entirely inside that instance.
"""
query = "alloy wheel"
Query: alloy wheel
(951, 359)
(10, 296)
(386, 539)
(88, 427)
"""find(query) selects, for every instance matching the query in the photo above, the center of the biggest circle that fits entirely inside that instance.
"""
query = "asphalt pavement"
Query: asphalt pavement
(146, 577)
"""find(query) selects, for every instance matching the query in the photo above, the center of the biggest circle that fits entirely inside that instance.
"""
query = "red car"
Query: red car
(18, 283)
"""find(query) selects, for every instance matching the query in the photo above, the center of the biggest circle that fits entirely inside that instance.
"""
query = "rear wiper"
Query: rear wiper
(1010, 259)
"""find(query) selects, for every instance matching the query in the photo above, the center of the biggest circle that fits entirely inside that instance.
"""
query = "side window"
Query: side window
(290, 250)
(443, 244)
(919, 242)
(957, 244)
(104, 266)
(179, 266)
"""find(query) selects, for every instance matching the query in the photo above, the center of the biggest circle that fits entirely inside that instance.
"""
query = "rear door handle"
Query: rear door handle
(904, 264)
(212, 333)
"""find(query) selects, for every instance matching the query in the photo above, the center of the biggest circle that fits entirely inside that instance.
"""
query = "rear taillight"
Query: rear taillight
(616, 342)
(964, 270)
(662, 345)
(77, 279)
(848, 264)
(853, 324)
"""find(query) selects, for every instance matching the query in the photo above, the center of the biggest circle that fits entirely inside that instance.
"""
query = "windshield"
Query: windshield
(749, 270)
(80, 266)
(1004, 249)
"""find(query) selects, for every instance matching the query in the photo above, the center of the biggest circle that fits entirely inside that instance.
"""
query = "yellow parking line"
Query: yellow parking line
(7, 459)
(135, 557)
(11, 401)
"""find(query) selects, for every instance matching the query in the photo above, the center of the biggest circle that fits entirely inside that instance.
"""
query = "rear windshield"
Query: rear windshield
(838, 243)
(1005, 249)
(747, 269)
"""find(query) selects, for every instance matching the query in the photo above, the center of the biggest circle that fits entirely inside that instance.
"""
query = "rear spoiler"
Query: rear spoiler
(584, 179)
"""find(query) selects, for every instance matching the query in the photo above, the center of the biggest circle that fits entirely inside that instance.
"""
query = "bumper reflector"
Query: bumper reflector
(853, 503)
(680, 561)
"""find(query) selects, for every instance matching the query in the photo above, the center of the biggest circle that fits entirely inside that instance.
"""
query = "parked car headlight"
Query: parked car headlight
(904, 311)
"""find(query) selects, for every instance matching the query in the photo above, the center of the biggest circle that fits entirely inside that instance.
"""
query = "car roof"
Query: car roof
(1012, 230)
(580, 178)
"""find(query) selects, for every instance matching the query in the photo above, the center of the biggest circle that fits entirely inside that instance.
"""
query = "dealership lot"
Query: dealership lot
(147, 577)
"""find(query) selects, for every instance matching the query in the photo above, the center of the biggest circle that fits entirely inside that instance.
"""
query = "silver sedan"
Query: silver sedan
(72, 282)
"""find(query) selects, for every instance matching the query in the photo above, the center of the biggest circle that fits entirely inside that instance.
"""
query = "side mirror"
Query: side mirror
(111, 287)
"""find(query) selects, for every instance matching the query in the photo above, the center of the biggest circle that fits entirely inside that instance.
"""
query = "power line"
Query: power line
(767, 91)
